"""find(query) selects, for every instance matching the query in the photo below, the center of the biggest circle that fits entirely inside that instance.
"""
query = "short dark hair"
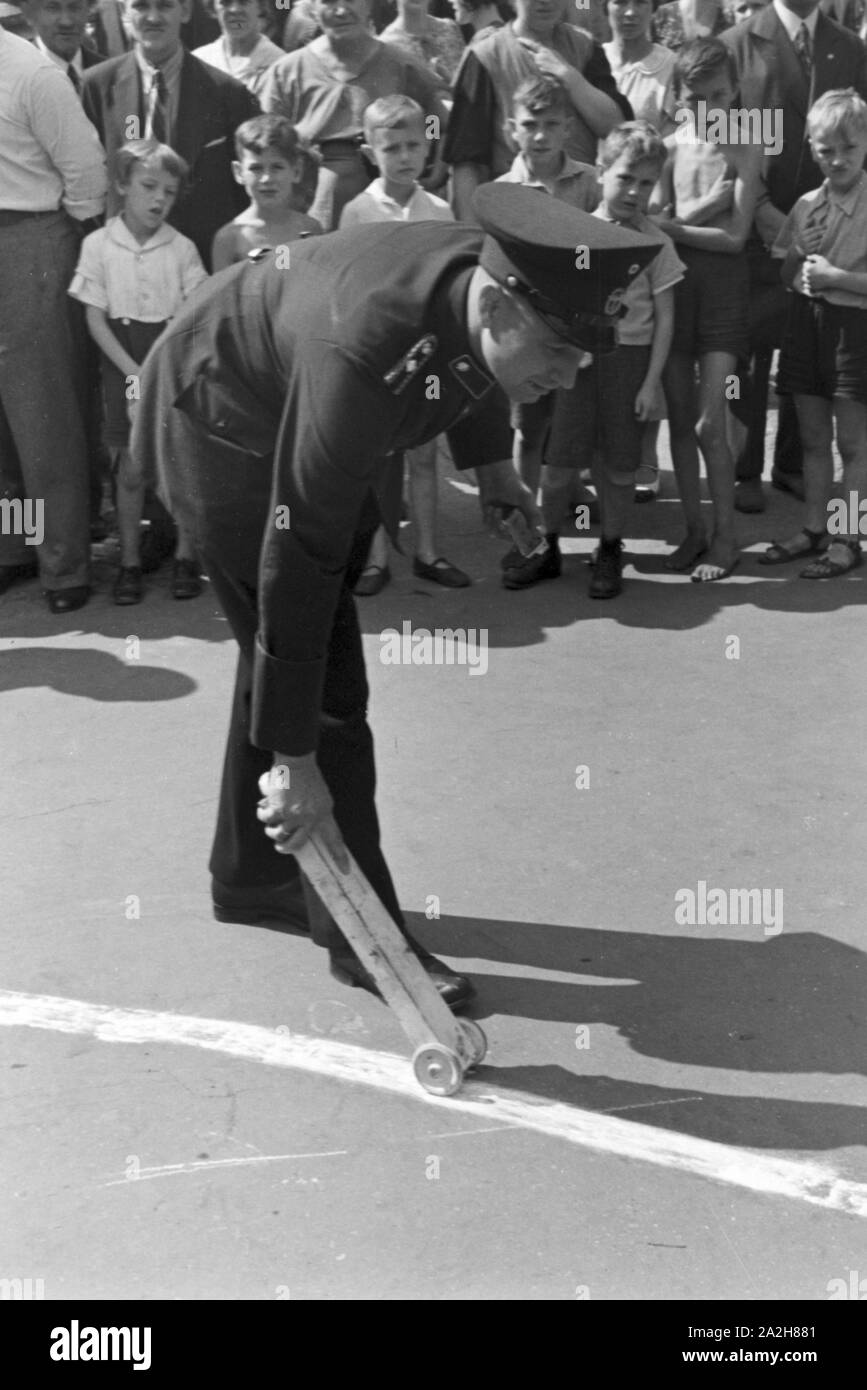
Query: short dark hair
(268, 133)
(542, 93)
(148, 152)
(637, 139)
(699, 58)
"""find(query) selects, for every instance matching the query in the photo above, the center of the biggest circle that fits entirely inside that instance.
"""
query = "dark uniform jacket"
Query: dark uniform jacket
(285, 388)
(770, 75)
(211, 106)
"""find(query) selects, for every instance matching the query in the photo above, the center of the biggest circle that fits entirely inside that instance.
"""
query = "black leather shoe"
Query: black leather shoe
(128, 586)
(454, 990)
(533, 568)
(749, 497)
(67, 600)
(185, 579)
(607, 581)
(16, 574)
(788, 482)
(255, 907)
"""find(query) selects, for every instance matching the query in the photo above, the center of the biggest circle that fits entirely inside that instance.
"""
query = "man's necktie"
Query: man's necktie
(74, 78)
(158, 115)
(804, 49)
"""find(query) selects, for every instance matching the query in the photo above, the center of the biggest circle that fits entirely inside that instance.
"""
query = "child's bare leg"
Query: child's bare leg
(679, 384)
(378, 553)
(422, 487)
(850, 418)
(815, 421)
(184, 549)
(719, 463)
(649, 441)
(557, 484)
(616, 493)
(130, 503)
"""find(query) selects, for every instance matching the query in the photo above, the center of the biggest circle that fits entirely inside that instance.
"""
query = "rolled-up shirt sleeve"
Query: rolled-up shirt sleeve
(336, 426)
(88, 283)
(69, 140)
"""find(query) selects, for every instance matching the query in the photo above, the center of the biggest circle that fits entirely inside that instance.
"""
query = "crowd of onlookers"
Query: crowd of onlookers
(145, 144)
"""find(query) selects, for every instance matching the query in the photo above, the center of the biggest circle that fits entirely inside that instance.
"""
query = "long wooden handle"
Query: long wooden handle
(379, 945)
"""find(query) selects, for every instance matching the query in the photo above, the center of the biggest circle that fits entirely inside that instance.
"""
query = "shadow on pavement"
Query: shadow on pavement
(94, 674)
(793, 1003)
(755, 1122)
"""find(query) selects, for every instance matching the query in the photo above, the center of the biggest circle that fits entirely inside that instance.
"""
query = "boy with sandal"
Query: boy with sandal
(823, 360)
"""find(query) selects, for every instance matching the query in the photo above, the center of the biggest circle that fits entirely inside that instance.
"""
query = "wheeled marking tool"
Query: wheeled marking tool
(445, 1047)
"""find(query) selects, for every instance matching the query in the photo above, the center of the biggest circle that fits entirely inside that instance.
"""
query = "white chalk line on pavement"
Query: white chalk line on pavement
(804, 1181)
(203, 1165)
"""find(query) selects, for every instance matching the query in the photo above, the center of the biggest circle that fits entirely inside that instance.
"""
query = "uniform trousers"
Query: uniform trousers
(229, 528)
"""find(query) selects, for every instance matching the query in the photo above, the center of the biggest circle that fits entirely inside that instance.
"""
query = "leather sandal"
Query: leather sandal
(830, 565)
(804, 543)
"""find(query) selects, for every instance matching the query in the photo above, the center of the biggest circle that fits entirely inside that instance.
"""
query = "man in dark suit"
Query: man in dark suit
(786, 56)
(160, 91)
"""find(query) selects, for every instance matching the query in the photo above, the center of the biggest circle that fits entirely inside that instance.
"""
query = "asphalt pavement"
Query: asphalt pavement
(673, 1105)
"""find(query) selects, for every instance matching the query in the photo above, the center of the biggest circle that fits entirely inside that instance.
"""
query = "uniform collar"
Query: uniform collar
(450, 325)
(120, 233)
(792, 22)
(59, 62)
(846, 202)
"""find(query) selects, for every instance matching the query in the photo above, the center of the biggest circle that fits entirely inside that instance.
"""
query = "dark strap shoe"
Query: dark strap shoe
(441, 572)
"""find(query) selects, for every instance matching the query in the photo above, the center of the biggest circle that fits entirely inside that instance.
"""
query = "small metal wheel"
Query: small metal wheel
(437, 1069)
(474, 1040)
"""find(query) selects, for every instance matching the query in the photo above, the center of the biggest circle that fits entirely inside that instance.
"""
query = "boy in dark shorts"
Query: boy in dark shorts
(823, 361)
(707, 195)
(599, 422)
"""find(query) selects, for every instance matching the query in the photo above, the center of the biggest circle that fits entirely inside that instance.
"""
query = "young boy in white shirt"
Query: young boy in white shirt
(395, 141)
(133, 274)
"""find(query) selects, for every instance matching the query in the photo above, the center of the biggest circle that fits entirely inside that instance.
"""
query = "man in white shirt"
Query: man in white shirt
(59, 27)
(52, 177)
